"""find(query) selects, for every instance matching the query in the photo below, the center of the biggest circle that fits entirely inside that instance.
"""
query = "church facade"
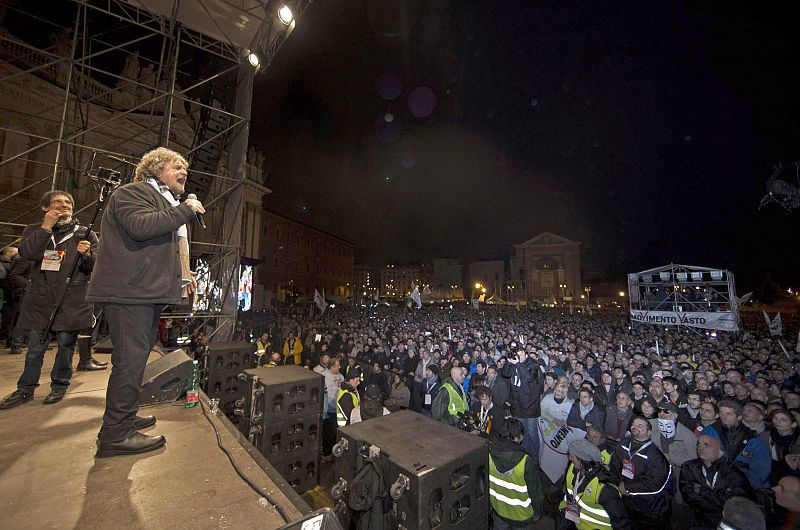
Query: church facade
(547, 269)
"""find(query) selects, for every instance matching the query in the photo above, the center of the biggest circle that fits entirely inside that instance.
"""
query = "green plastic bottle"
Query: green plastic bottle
(193, 391)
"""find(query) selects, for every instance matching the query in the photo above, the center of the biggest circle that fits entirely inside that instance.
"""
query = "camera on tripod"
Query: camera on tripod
(109, 176)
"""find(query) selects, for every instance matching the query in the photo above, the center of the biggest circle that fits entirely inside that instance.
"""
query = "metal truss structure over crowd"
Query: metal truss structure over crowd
(117, 78)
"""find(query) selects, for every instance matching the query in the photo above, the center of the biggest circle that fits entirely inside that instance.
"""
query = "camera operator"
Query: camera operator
(524, 377)
(52, 247)
(486, 415)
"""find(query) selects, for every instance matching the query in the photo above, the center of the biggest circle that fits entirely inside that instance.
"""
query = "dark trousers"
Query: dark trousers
(61, 373)
(133, 333)
(328, 434)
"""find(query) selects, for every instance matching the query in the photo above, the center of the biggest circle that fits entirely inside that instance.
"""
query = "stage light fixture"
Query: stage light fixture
(253, 59)
(285, 15)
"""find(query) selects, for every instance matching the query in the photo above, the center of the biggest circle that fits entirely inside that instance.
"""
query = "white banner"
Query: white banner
(553, 445)
(722, 320)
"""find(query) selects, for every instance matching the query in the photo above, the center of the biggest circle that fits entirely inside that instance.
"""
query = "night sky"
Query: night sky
(647, 131)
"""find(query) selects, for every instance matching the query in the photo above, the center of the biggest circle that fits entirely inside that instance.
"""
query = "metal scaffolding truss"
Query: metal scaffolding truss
(685, 295)
(119, 78)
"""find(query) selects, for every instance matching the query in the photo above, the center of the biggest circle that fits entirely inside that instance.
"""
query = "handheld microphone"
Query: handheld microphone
(197, 214)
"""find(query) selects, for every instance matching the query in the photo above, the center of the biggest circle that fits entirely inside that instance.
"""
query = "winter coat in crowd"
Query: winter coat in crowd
(678, 449)
(616, 427)
(706, 492)
(595, 416)
(645, 496)
(398, 397)
(526, 388)
(746, 450)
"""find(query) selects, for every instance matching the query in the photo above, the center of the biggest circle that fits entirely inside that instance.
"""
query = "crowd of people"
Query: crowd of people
(667, 427)
(589, 420)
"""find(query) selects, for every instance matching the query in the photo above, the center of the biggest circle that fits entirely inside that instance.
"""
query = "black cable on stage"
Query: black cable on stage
(255, 488)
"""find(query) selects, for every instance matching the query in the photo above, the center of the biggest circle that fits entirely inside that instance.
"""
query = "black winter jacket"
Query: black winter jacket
(138, 260)
(45, 286)
(526, 397)
(705, 495)
(646, 494)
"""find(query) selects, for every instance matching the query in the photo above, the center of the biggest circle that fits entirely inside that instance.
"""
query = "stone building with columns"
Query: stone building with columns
(547, 269)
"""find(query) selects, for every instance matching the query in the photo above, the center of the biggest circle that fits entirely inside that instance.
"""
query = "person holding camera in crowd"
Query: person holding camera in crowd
(524, 377)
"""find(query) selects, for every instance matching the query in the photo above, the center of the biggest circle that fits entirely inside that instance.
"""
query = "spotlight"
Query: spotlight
(285, 15)
(253, 59)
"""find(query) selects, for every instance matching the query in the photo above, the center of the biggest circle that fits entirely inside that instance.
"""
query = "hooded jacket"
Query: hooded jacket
(506, 455)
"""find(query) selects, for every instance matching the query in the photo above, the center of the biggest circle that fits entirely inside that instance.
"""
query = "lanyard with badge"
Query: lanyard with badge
(573, 508)
(628, 466)
(52, 259)
(713, 480)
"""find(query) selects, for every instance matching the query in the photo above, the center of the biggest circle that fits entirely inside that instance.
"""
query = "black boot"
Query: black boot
(86, 363)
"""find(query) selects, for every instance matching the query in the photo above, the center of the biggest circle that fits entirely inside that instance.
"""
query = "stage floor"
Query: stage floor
(49, 477)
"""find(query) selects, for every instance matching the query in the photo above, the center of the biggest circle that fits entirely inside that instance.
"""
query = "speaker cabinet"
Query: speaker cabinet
(444, 469)
(166, 378)
(225, 379)
(283, 418)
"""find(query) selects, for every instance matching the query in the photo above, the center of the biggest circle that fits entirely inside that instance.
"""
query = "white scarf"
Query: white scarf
(182, 230)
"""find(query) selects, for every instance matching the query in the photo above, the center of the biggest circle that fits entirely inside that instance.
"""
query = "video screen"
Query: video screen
(208, 296)
(246, 288)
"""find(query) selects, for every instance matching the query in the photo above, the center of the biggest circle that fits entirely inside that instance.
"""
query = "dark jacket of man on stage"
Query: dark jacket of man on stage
(138, 270)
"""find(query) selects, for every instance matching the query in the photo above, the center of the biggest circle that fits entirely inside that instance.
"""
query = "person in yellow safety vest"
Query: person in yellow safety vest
(262, 349)
(589, 501)
(274, 359)
(292, 350)
(515, 492)
(348, 398)
(450, 401)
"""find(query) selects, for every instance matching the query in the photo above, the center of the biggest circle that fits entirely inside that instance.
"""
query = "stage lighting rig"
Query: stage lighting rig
(783, 186)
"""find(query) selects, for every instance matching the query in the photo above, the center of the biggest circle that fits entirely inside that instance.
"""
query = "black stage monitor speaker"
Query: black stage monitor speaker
(283, 412)
(166, 378)
(438, 473)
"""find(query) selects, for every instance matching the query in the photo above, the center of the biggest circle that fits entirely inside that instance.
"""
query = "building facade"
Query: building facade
(297, 258)
(399, 280)
(547, 269)
(447, 279)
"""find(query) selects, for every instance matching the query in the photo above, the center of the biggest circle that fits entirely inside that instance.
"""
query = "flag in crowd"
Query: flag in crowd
(319, 300)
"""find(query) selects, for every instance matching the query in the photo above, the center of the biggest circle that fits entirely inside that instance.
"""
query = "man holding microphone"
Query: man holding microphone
(138, 271)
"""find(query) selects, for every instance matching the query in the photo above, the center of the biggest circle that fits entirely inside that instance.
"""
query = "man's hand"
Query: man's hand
(192, 287)
(195, 205)
(84, 247)
(50, 220)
